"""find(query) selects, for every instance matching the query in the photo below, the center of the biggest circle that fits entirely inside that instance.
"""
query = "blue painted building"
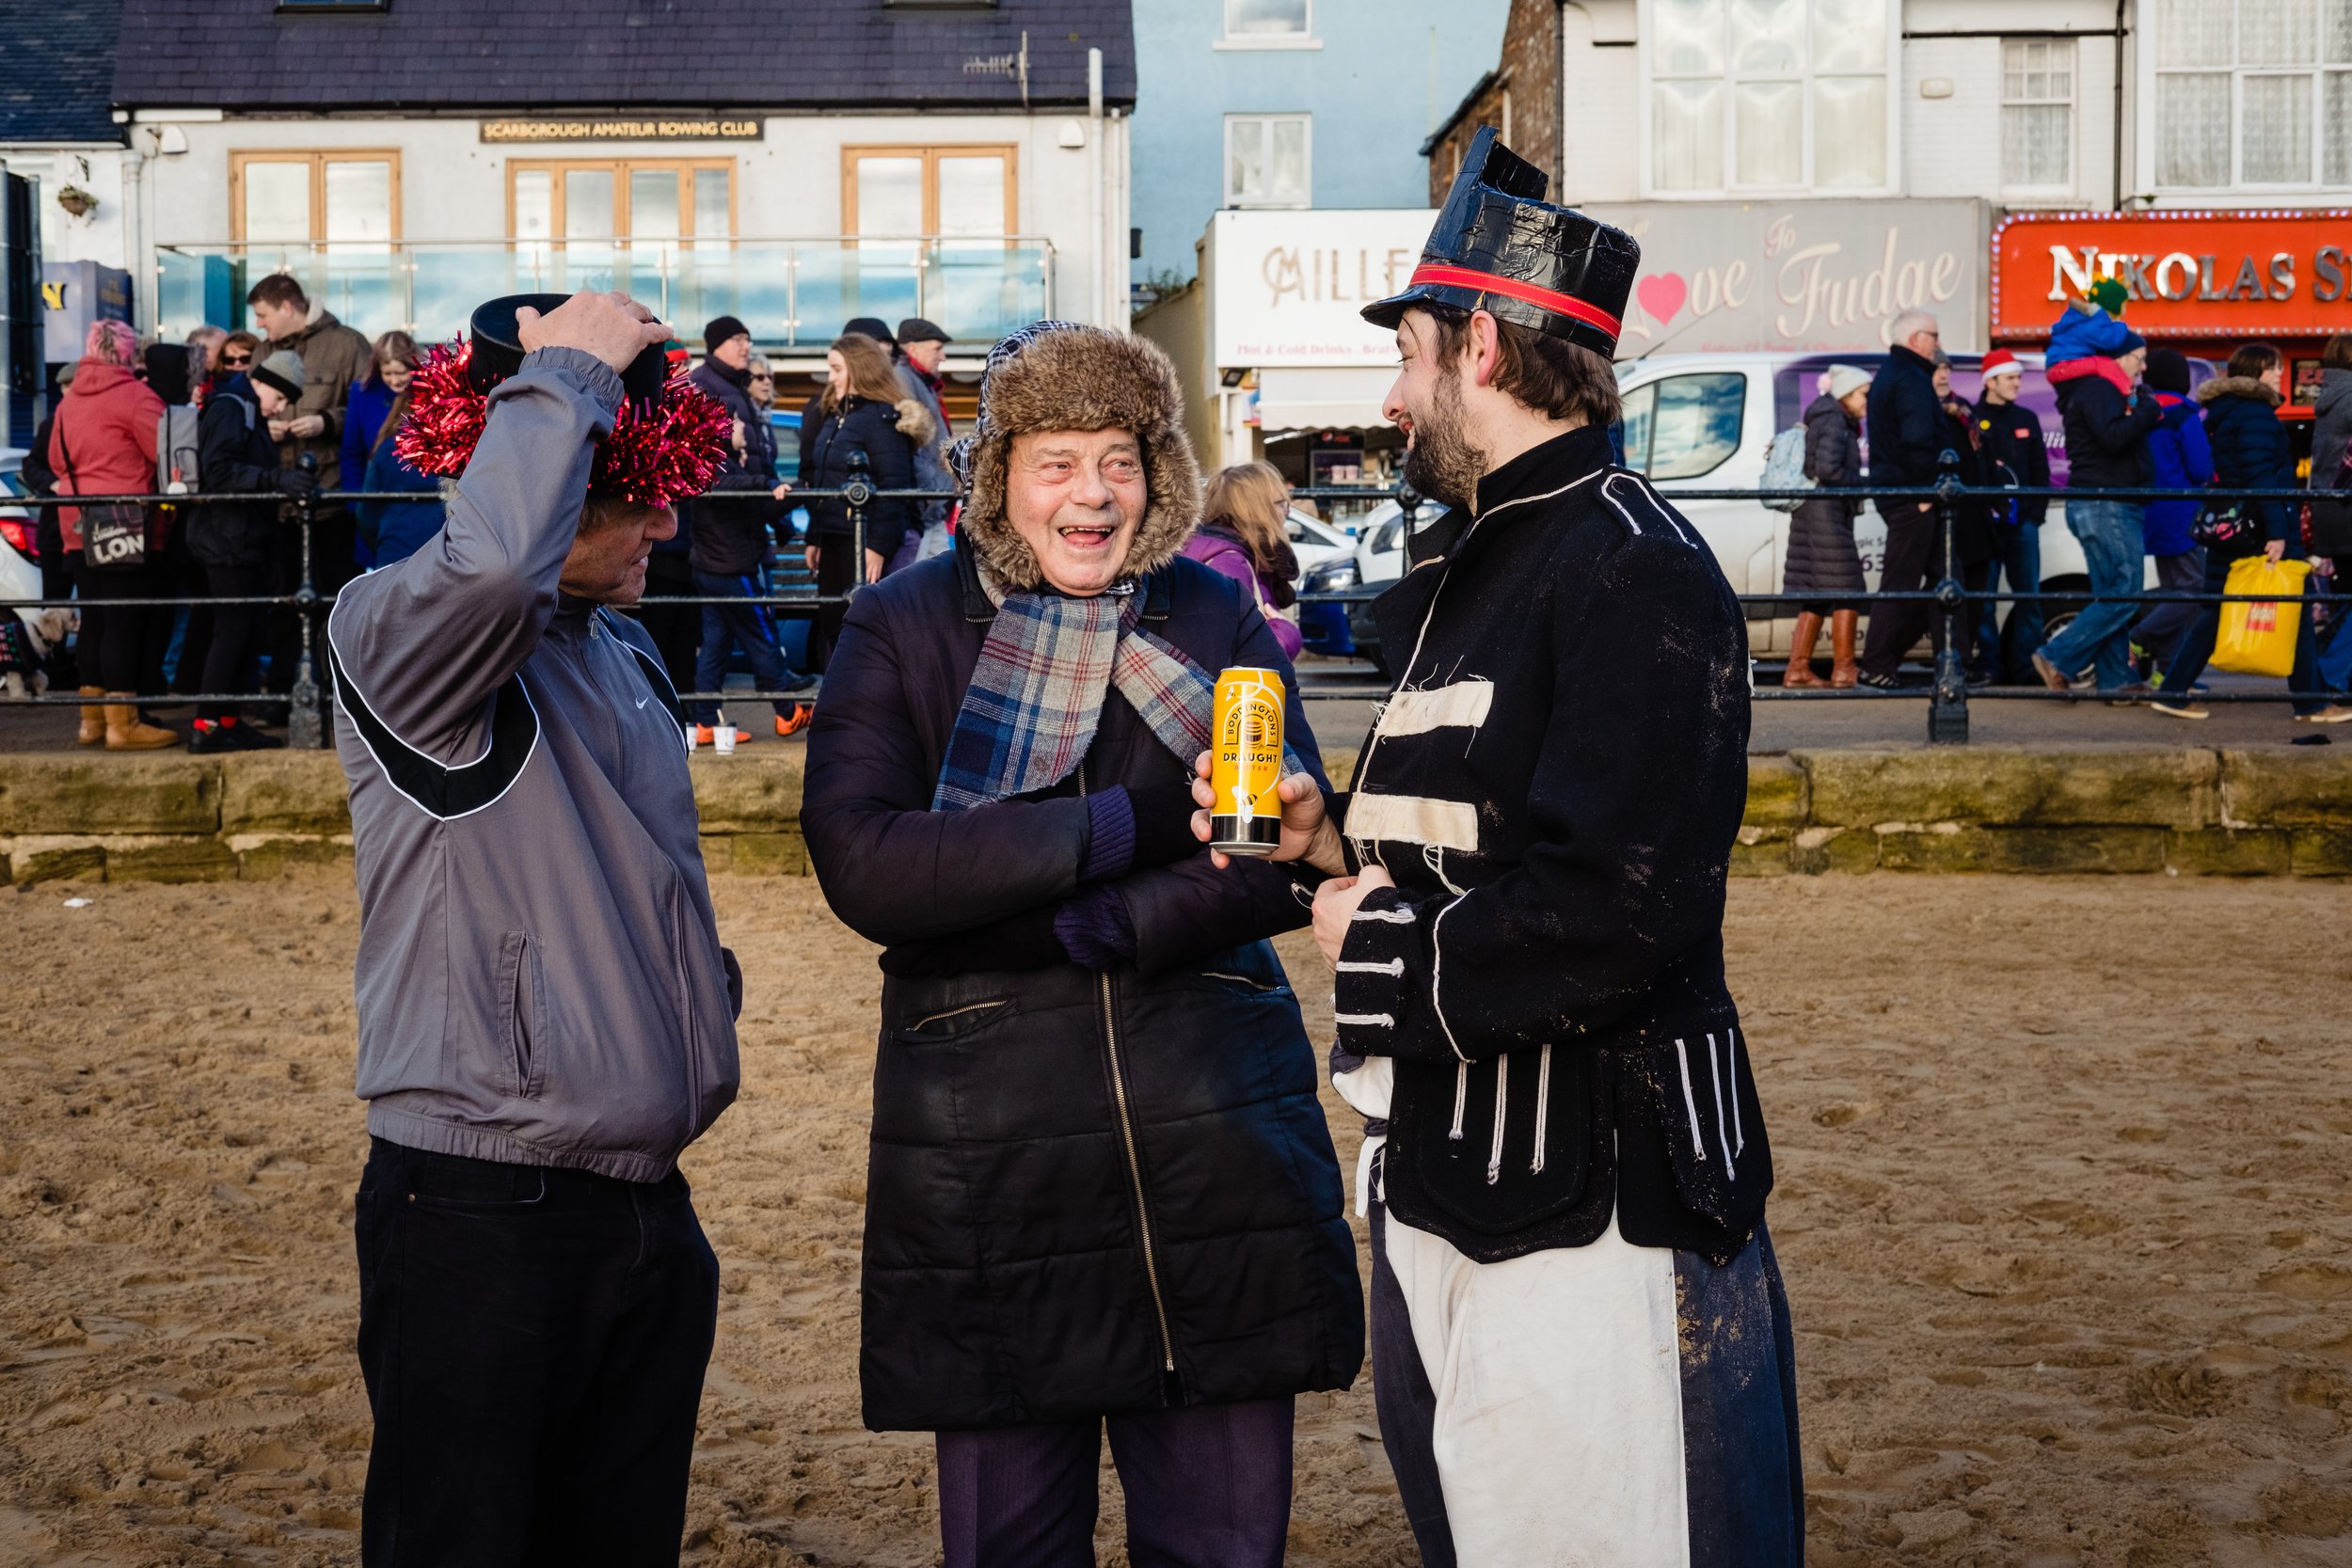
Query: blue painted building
(1291, 104)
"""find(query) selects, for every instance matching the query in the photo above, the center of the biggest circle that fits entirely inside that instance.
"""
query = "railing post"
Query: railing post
(306, 728)
(857, 492)
(1948, 709)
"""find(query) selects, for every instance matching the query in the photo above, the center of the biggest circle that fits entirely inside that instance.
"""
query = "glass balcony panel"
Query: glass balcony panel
(792, 293)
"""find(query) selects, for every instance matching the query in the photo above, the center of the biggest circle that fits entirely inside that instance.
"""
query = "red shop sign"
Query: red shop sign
(2191, 275)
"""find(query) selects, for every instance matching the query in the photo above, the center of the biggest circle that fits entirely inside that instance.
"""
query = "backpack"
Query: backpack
(1783, 470)
(179, 458)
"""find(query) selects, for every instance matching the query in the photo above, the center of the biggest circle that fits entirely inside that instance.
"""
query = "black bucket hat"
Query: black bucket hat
(1499, 246)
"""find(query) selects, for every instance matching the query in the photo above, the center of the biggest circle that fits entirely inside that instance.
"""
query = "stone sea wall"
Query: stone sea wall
(177, 818)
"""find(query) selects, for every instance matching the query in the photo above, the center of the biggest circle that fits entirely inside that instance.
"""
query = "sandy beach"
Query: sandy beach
(2062, 1211)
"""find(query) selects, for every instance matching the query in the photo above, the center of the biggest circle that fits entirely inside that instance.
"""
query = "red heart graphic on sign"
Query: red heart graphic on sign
(1661, 294)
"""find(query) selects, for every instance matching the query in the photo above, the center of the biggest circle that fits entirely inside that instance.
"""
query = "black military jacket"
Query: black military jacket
(1555, 785)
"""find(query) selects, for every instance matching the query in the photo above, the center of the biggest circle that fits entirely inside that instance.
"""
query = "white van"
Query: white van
(1704, 422)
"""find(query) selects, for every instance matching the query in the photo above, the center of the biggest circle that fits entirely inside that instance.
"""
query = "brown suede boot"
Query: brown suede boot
(93, 718)
(1843, 672)
(126, 732)
(1800, 671)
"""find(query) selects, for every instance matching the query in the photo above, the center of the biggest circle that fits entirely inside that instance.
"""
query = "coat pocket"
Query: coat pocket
(522, 993)
(1714, 1129)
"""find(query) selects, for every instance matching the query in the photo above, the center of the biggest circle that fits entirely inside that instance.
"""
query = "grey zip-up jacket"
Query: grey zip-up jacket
(540, 979)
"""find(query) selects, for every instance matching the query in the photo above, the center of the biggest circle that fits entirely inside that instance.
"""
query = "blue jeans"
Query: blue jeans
(2115, 550)
(2004, 650)
(753, 625)
(2197, 644)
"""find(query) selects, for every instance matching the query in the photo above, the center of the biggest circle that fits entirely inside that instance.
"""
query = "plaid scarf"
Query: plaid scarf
(1037, 693)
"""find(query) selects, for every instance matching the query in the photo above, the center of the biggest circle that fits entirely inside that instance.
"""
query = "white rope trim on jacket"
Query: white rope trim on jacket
(1365, 1021)
(1689, 1102)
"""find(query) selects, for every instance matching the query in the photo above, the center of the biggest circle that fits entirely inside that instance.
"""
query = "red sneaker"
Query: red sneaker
(802, 716)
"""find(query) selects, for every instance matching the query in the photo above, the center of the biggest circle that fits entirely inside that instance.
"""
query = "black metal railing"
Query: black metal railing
(1948, 694)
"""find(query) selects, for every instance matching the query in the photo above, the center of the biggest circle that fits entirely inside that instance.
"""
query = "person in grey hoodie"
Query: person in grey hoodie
(545, 1015)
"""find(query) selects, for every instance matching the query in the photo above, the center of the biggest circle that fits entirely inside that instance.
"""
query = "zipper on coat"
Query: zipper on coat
(1135, 1163)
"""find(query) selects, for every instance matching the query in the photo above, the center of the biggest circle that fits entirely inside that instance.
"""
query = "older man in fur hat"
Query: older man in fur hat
(1100, 1188)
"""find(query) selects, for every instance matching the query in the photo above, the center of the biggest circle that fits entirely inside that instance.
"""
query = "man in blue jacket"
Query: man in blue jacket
(1907, 434)
(2107, 416)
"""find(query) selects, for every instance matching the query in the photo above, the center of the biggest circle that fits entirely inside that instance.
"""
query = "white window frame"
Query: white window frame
(1228, 39)
(2233, 193)
(1226, 175)
(2073, 117)
(1646, 31)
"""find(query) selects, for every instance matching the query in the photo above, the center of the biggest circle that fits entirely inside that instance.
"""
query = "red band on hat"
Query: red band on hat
(1551, 299)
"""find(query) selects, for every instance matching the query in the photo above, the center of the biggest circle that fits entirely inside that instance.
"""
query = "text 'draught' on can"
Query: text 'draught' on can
(1245, 762)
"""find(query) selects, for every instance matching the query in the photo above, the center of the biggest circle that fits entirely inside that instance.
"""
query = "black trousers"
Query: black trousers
(331, 567)
(534, 1342)
(231, 657)
(1914, 560)
(839, 563)
(1207, 1486)
(676, 629)
(112, 645)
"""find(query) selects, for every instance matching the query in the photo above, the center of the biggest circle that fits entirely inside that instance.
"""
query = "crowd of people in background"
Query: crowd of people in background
(304, 405)
(2132, 420)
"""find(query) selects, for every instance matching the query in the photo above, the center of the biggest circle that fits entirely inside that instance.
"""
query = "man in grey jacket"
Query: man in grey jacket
(545, 1015)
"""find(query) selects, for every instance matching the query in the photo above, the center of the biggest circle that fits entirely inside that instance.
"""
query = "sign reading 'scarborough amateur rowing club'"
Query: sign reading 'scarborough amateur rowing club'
(645, 128)
(2189, 275)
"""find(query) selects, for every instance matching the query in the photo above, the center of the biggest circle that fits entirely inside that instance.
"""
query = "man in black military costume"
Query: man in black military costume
(1581, 1348)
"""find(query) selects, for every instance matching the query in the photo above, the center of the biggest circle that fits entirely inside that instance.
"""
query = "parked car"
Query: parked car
(1376, 560)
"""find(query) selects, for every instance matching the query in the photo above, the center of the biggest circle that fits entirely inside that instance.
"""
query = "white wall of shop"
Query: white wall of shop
(788, 184)
(100, 234)
(1948, 145)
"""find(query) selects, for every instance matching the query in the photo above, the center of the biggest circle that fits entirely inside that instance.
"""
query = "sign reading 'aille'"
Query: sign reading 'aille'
(2189, 275)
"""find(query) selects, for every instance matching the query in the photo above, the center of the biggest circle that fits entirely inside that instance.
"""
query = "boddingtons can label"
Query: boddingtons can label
(1245, 762)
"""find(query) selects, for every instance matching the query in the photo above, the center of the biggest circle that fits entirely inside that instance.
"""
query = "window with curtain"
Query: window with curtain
(2253, 93)
(1267, 160)
(2038, 114)
(1768, 95)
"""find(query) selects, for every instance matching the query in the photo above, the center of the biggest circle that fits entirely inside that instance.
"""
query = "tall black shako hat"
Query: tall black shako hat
(1499, 246)
(498, 348)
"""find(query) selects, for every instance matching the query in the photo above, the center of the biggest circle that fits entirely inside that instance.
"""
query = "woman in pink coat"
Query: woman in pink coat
(1242, 535)
(103, 443)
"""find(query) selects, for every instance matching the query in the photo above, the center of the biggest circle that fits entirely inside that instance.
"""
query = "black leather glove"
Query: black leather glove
(296, 482)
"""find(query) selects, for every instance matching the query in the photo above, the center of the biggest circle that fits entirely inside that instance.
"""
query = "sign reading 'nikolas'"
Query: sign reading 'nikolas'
(2190, 274)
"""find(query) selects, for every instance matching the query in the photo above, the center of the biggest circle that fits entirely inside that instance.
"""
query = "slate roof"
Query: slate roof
(56, 71)
(590, 54)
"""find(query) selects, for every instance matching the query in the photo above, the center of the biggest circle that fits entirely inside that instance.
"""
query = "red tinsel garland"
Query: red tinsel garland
(660, 451)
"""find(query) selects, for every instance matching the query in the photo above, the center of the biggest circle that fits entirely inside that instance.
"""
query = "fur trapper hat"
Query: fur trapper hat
(1058, 375)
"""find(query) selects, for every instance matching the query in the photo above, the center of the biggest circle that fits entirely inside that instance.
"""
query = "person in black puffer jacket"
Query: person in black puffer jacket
(2250, 452)
(1100, 1183)
(864, 408)
(1822, 556)
(729, 552)
(1907, 435)
(236, 542)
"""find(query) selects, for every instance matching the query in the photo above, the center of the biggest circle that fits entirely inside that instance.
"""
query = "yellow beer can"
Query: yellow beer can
(1245, 762)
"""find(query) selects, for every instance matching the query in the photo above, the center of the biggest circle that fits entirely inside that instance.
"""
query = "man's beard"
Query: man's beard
(1441, 464)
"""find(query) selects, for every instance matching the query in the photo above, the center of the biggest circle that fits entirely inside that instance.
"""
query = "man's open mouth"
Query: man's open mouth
(1085, 536)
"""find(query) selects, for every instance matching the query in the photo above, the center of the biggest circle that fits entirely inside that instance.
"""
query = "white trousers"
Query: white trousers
(1558, 1432)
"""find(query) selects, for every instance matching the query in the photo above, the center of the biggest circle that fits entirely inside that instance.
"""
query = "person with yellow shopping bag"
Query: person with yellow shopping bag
(2246, 545)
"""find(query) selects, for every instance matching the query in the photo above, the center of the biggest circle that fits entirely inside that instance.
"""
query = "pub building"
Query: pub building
(2200, 282)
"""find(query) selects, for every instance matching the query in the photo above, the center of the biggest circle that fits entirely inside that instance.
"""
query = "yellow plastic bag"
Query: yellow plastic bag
(2258, 638)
